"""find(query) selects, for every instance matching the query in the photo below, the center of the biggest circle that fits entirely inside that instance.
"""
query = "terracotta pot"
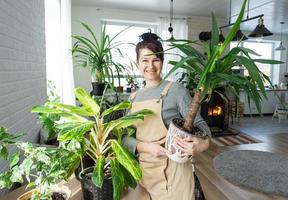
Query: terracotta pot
(57, 188)
(173, 131)
(120, 89)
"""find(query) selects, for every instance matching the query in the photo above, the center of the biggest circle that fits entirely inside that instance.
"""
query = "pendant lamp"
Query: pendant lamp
(260, 30)
(239, 36)
(281, 47)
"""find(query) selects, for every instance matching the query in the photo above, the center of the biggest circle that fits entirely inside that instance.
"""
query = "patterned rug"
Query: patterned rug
(231, 140)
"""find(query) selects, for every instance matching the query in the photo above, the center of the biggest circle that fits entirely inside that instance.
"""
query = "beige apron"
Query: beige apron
(162, 179)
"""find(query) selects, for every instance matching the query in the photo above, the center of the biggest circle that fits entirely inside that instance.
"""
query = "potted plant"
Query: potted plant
(86, 130)
(42, 167)
(132, 84)
(48, 132)
(96, 55)
(215, 71)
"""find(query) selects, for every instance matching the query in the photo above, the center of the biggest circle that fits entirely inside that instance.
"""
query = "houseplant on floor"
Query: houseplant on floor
(215, 71)
(96, 55)
(101, 141)
(42, 167)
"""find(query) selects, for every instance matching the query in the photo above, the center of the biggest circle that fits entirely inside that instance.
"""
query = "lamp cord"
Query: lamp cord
(230, 13)
(171, 12)
(248, 7)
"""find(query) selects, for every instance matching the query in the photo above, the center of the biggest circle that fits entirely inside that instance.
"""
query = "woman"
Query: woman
(162, 178)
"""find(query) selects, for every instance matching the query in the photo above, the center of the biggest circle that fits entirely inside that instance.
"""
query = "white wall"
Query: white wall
(22, 65)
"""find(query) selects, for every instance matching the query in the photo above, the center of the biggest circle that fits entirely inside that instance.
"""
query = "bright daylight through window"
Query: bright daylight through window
(265, 50)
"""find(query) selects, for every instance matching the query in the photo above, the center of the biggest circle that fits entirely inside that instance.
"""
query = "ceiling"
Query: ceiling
(275, 11)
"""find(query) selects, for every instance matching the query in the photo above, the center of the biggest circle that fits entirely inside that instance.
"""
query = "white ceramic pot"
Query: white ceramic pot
(56, 188)
(176, 153)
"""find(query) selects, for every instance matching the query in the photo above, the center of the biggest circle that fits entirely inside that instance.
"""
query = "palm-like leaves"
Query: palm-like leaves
(94, 134)
(216, 69)
(96, 54)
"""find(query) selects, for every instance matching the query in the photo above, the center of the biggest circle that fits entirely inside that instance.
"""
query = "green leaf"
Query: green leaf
(234, 29)
(117, 179)
(26, 165)
(16, 175)
(127, 120)
(5, 181)
(121, 106)
(31, 184)
(47, 110)
(253, 70)
(71, 130)
(267, 61)
(128, 179)
(14, 159)
(86, 100)
(3, 152)
(125, 158)
(181, 63)
(72, 109)
(214, 33)
(98, 172)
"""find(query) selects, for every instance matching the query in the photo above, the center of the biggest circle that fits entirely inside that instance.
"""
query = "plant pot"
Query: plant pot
(87, 162)
(98, 88)
(90, 191)
(128, 90)
(176, 130)
(57, 189)
(119, 89)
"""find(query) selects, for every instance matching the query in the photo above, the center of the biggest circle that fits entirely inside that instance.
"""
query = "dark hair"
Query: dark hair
(152, 42)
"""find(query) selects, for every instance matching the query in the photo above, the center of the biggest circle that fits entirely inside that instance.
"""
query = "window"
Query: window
(266, 51)
(129, 37)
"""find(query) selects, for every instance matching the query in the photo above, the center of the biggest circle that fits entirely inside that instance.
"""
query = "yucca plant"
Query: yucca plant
(215, 70)
(96, 54)
(84, 131)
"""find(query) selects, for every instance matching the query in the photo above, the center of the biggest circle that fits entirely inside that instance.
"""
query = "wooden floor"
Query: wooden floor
(217, 188)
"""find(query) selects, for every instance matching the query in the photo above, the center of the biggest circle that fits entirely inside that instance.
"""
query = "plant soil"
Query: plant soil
(58, 196)
(195, 130)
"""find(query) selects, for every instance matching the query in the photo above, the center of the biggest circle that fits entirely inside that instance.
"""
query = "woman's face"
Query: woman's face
(149, 65)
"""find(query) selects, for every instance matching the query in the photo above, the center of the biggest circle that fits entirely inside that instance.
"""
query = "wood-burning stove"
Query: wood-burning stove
(215, 112)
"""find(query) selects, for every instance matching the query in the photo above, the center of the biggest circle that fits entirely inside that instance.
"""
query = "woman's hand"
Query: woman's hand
(154, 148)
(191, 145)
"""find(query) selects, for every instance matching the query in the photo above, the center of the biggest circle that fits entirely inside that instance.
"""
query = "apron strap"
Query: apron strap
(166, 89)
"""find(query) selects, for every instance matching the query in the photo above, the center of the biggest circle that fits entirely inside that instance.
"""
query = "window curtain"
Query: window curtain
(59, 66)
(179, 32)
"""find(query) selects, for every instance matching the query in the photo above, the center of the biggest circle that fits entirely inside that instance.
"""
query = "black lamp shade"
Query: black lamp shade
(260, 30)
(239, 36)
(205, 36)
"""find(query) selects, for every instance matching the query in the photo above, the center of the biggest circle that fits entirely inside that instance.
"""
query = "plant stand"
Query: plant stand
(281, 113)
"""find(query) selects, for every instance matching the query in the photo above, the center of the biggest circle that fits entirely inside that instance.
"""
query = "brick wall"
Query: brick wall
(22, 65)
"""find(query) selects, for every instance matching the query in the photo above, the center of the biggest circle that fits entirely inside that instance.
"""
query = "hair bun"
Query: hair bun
(149, 36)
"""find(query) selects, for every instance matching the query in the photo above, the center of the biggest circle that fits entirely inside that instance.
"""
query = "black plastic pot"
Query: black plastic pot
(87, 162)
(98, 88)
(90, 191)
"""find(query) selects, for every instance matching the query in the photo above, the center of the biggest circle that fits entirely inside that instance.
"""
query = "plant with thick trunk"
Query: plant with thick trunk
(215, 70)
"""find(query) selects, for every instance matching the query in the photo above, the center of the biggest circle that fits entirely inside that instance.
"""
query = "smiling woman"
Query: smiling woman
(162, 178)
